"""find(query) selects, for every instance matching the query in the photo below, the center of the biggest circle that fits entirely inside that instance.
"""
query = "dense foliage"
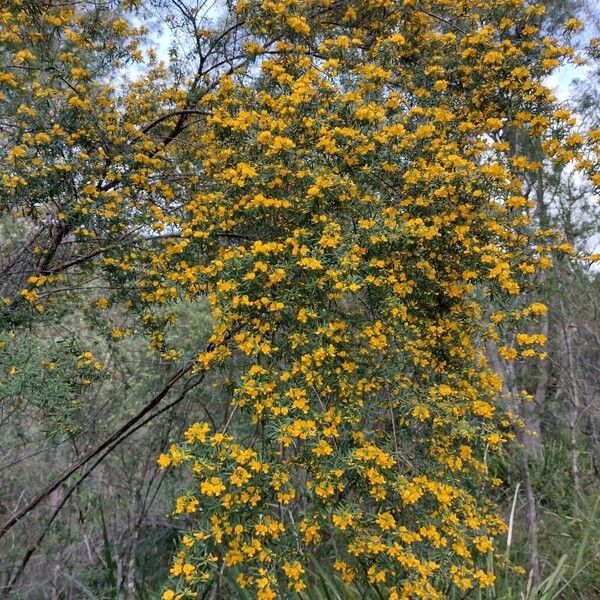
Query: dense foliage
(330, 224)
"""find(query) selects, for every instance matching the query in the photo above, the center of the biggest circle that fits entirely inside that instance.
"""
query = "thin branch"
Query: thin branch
(124, 429)
(35, 546)
(187, 111)
(439, 18)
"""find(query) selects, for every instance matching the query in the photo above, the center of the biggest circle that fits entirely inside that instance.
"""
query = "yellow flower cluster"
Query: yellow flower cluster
(372, 209)
(351, 198)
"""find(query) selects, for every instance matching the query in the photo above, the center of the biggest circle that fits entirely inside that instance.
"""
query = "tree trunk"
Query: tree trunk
(509, 388)
(572, 389)
(533, 554)
(529, 411)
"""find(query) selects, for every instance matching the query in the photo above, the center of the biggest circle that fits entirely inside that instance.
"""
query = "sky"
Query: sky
(561, 80)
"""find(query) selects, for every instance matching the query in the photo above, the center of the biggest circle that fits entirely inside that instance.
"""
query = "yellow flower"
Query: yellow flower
(298, 24)
(385, 521)
(310, 263)
(294, 570)
(212, 487)
(421, 412)
(163, 461)
(483, 409)
(197, 432)
(376, 576)
(411, 494)
(343, 520)
(322, 449)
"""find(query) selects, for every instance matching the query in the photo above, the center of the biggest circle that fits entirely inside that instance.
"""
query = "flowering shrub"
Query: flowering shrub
(374, 202)
(349, 200)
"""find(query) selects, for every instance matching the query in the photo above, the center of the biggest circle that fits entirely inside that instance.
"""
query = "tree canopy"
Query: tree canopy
(347, 188)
